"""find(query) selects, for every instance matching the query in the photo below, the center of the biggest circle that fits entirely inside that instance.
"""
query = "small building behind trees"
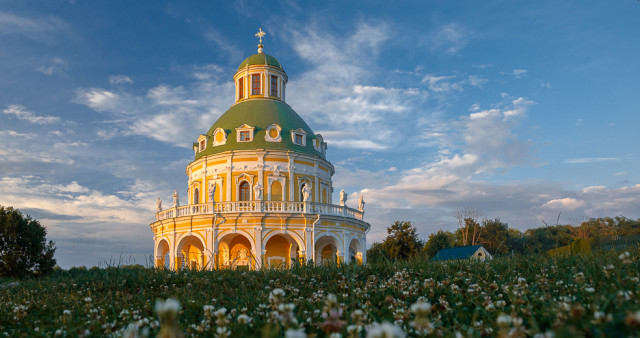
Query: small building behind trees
(463, 252)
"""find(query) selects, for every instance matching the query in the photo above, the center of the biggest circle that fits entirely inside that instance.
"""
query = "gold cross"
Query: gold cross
(260, 34)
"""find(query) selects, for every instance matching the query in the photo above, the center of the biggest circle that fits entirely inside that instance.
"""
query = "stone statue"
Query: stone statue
(257, 192)
(343, 198)
(361, 203)
(306, 193)
(212, 192)
(158, 205)
(176, 199)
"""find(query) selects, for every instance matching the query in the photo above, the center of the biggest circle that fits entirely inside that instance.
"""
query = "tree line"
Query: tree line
(403, 243)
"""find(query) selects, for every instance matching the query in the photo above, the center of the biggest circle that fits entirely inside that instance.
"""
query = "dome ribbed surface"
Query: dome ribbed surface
(260, 59)
(260, 113)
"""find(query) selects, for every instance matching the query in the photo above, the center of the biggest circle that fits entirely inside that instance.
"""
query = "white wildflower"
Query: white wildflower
(385, 330)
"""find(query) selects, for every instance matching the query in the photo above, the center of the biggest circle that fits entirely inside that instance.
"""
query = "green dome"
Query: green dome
(260, 113)
(260, 59)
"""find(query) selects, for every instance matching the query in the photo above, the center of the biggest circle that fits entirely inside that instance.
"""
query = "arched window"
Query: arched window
(196, 193)
(245, 191)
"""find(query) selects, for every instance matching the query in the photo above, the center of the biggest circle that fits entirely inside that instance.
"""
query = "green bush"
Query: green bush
(24, 250)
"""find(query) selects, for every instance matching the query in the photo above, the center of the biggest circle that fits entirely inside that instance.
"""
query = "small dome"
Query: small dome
(260, 59)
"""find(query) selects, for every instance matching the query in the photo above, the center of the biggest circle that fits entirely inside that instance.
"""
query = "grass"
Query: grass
(592, 295)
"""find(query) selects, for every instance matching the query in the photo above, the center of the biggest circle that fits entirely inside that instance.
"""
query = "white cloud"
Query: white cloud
(22, 113)
(449, 38)
(120, 80)
(170, 114)
(358, 144)
(98, 99)
(481, 142)
(13, 133)
(516, 73)
(561, 204)
(42, 29)
(586, 160)
(441, 84)
(55, 66)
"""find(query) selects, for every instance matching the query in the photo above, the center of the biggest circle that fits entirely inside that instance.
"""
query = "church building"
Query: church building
(259, 189)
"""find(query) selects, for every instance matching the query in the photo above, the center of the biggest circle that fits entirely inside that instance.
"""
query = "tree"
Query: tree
(24, 250)
(377, 253)
(402, 241)
(438, 241)
(470, 229)
(495, 236)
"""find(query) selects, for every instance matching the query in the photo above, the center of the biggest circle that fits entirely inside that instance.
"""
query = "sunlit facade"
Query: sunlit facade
(260, 188)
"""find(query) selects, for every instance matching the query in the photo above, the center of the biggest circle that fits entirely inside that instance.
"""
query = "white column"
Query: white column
(292, 180)
(258, 249)
(316, 189)
(229, 178)
(309, 243)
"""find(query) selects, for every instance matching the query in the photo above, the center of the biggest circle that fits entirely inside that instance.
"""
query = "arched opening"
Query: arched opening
(326, 250)
(280, 252)
(234, 252)
(196, 196)
(191, 254)
(245, 191)
(276, 191)
(355, 251)
(162, 255)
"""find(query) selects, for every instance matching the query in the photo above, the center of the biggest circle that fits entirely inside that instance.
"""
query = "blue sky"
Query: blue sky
(523, 110)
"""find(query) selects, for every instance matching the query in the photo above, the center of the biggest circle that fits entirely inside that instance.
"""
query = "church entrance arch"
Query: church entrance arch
(280, 251)
(234, 252)
(355, 251)
(162, 254)
(326, 249)
(190, 253)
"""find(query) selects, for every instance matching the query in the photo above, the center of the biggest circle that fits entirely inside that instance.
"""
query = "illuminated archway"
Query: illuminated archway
(235, 252)
(190, 253)
(281, 250)
(163, 251)
(326, 249)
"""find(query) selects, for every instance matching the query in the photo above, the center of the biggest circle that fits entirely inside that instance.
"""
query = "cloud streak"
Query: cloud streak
(22, 113)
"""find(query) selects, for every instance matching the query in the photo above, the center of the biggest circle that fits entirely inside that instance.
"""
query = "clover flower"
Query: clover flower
(295, 333)
(276, 296)
(601, 318)
(504, 320)
(354, 331)
(625, 257)
(633, 319)
(331, 313)
(168, 313)
(385, 330)
(243, 319)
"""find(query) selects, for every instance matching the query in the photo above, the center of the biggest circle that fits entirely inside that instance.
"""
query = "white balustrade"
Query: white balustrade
(259, 206)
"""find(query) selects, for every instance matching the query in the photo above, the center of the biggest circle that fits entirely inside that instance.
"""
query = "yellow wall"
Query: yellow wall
(277, 246)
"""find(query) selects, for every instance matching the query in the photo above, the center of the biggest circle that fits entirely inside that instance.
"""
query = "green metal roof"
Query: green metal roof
(261, 59)
(461, 252)
(260, 113)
